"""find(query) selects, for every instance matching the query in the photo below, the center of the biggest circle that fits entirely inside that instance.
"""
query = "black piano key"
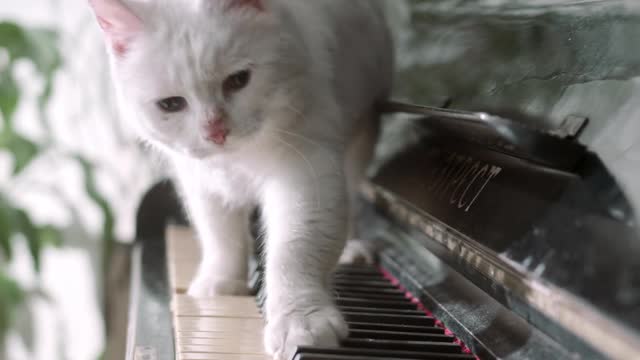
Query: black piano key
(395, 335)
(398, 296)
(380, 354)
(422, 320)
(358, 278)
(357, 289)
(395, 328)
(358, 357)
(340, 357)
(386, 311)
(361, 271)
(363, 275)
(417, 346)
(358, 270)
(383, 323)
(369, 285)
(402, 304)
(357, 281)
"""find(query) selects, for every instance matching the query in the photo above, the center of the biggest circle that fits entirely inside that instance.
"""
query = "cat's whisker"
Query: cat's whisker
(302, 137)
(306, 139)
(295, 110)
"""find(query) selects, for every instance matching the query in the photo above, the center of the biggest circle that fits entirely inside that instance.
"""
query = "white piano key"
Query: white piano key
(201, 335)
(183, 257)
(217, 328)
(223, 306)
(217, 313)
(224, 347)
(219, 335)
(218, 324)
(201, 356)
(247, 344)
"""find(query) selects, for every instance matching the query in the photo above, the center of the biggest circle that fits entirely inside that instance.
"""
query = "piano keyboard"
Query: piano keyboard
(385, 322)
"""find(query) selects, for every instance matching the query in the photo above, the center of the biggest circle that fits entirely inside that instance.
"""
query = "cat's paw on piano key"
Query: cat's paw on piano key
(206, 286)
(358, 252)
(311, 327)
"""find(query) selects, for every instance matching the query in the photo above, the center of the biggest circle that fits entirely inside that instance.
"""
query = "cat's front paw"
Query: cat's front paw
(206, 286)
(313, 326)
(358, 252)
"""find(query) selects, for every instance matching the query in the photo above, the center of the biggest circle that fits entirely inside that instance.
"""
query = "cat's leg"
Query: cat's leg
(223, 234)
(224, 243)
(306, 231)
(359, 154)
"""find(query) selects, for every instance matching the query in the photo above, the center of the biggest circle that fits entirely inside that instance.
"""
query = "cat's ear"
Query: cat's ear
(119, 24)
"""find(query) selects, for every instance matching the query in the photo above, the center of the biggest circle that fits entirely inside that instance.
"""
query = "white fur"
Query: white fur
(317, 69)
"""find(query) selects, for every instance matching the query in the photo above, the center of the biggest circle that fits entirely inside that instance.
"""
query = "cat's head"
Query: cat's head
(201, 77)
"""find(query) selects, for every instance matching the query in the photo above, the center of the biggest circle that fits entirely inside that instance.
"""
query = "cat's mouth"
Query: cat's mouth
(212, 149)
(220, 143)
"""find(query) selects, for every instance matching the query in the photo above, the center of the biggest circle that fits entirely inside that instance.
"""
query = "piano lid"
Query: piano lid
(549, 225)
(544, 238)
(546, 59)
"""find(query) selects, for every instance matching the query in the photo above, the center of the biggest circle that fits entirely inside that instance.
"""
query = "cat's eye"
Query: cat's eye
(172, 104)
(236, 82)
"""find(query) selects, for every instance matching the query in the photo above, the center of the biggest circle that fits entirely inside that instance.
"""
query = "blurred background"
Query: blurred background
(71, 177)
(72, 174)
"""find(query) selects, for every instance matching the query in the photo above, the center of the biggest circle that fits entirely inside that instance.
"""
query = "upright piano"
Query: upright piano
(497, 237)
(495, 240)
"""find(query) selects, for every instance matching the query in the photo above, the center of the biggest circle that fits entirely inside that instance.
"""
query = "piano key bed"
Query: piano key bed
(385, 321)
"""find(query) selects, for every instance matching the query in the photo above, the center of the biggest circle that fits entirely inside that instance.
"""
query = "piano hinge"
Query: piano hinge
(572, 127)
(145, 353)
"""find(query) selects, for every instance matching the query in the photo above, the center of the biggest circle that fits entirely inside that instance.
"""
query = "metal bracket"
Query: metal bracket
(145, 353)
(572, 127)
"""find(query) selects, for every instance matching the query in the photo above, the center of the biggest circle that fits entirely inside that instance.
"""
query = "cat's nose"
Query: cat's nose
(217, 131)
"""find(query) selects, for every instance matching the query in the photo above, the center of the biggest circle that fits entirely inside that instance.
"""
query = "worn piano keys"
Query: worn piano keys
(384, 322)
(219, 328)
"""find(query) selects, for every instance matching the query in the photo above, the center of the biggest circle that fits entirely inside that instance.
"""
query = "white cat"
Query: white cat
(265, 102)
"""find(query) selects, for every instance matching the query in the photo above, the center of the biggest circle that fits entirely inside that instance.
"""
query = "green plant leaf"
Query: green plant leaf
(6, 220)
(12, 38)
(11, 296)
(9, 97)
(31, 234)
(22, 149)
(16, 221)
(94, 194)
(48, 60)
(43, 50)
(108, 234)
(40, 46)
(50, 236)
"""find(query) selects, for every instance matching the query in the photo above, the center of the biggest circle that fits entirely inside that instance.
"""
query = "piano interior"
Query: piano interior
(497, 237)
